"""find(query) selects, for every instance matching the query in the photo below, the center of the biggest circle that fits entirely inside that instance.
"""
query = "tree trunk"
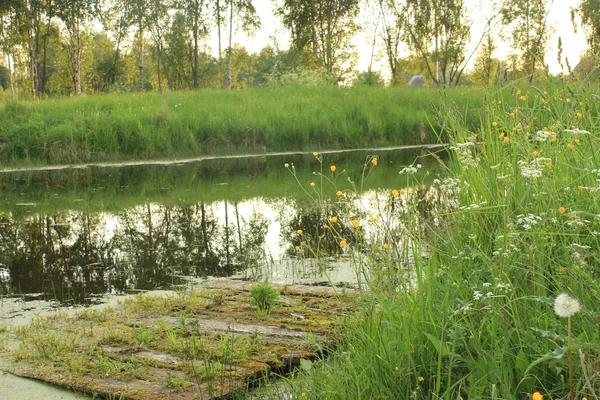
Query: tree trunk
(10, 77)
(32, 9)
(141, 55)
(195, 34)
(76, 61)
(44, 73)
(219, 26)
(230, 41)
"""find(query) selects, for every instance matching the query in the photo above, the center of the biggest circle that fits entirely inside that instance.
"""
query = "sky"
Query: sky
(574, 44)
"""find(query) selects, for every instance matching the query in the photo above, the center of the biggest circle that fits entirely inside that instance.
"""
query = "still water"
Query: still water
(73, 235)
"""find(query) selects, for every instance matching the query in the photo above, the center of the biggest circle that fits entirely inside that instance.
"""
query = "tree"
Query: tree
(4, 77)
(193, 10)
(244, 11)
(527, 21)
(486, 67)
(589, 13)
(73, 13)
(323, 28)
(159, 21)
(438, 31)
(13, 36)
(391, 34)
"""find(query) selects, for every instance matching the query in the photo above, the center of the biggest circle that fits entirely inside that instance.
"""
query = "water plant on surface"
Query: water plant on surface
(517, 224)
(263, 296)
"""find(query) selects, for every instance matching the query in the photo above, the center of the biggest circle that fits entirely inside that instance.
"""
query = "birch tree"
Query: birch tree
(526, 20)
(74, 13)
(323, 28)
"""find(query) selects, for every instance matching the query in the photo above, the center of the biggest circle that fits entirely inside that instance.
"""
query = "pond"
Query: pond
(72, 235)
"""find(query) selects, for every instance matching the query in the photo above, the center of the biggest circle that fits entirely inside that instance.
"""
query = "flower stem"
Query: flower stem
(571, 389)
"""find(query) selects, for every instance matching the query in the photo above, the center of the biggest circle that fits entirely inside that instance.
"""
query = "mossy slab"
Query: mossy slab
(207, 343)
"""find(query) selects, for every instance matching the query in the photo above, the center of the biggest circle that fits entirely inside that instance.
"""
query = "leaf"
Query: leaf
(521, 363)
(555, 354)
(306, 365)
(441, 347)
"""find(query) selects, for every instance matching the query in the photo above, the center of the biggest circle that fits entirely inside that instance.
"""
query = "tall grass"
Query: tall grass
(141, 126)
(518, 224)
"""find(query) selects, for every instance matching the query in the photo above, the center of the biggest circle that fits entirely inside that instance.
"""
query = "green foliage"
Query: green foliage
(527, 21)
(117, 127)
(263, 296)
(323, 29)
(589, 13)
(485, 69)
(517, 225)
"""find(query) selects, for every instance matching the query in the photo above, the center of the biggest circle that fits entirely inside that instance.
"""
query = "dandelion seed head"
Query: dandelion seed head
(566, 306)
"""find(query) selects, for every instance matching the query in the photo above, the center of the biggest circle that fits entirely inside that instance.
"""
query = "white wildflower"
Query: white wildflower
(577, 131)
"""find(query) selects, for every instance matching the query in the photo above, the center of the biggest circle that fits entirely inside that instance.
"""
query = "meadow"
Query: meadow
(496, 295)
(183, 124)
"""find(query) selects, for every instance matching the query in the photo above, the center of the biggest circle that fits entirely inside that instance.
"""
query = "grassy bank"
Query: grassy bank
(150, 126)
(476, 314)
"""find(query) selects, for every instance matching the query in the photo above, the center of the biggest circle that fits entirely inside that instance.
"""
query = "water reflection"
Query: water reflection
(113, 230)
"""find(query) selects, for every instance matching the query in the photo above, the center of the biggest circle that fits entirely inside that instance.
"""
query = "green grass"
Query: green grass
(471, 315)
(151, 126)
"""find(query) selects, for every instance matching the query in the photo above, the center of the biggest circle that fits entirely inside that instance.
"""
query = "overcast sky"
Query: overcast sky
(559, 20)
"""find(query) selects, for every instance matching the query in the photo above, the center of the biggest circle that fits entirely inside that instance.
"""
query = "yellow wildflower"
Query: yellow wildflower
(421, 379)
(402, 192)
(334, 220)
(386, 246)
(570, 146)
(339, 193)
(312, 184)
(299, 232)
(579, 187)
(579, 115)
(355, 222)
(374, 162)
(494, 124)
(537, 396)
(332, 168)
(342, 244)
(286, 165)
(395, 193)
(315, 154)
(374, 218)
(577, 140)
(297, 248)
(506, 139)
(562, 210)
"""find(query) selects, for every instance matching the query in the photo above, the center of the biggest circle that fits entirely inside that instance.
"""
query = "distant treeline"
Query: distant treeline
(60, 47)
